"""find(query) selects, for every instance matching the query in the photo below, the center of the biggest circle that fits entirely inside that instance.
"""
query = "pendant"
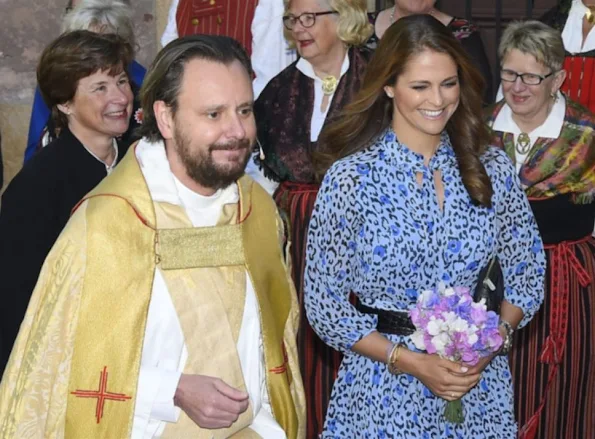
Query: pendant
(329, 85)
(590, 14)
(523, 144)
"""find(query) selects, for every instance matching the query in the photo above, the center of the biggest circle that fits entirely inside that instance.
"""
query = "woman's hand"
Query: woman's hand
(444, 378)
(480, 366)
(484, 361)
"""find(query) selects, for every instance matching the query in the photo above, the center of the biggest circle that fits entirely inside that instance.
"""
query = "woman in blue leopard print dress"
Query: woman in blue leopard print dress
(414, 197)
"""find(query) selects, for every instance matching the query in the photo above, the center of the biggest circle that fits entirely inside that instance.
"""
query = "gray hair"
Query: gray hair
(534, 38)
(105, 16)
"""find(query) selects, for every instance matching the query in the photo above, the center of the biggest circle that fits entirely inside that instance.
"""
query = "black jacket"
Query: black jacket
(35, 208)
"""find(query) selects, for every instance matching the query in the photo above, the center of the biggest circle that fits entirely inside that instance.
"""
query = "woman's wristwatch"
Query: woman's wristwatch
(507, 342)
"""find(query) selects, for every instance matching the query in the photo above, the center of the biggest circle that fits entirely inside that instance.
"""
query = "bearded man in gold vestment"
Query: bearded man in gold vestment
(165, 308)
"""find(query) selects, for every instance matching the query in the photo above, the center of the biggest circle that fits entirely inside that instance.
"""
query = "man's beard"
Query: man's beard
(201, 167)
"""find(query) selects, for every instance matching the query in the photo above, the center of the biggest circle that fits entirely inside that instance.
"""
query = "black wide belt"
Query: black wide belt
(389, 322)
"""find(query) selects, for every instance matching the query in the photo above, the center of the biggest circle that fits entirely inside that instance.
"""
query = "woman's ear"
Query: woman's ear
(558, 81)
(390, 91)
(65, 108)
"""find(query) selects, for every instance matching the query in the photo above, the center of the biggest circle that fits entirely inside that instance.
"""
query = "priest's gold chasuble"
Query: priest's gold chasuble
(73, 372)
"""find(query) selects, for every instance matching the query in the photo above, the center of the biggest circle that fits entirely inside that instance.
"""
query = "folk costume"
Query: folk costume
(256, 24)
(550, 360)
(579, 63)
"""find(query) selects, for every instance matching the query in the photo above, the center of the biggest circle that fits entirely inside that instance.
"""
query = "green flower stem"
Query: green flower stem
(453, 412)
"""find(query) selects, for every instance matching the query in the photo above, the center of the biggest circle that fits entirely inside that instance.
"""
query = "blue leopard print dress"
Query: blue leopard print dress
(375, 232)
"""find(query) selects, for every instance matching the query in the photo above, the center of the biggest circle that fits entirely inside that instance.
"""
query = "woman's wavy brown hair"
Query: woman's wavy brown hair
(370, 112)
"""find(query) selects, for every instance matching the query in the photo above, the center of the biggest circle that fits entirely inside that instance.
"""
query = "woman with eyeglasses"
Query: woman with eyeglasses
(291, 111)
(466, 32)
(551, 140)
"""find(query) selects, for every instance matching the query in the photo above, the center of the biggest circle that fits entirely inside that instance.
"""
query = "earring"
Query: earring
(554, 96)
(261, 154)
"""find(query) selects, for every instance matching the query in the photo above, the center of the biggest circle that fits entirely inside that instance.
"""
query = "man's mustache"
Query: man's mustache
(232, 146)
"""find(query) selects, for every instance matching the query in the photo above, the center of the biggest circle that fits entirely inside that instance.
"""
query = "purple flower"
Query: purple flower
(478, 315)
(493, 320)
(448, 323)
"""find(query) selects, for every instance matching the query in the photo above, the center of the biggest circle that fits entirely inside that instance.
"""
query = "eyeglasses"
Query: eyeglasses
(307, 19)
(527, 78)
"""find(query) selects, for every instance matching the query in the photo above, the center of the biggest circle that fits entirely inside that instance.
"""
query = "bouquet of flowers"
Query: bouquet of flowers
(449, 323)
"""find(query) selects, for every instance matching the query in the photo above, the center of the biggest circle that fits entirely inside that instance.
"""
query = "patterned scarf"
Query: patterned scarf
(565, 165)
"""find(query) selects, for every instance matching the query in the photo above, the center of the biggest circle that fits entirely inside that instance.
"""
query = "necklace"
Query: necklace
(590, 14)
(329, 85)
(523, 144)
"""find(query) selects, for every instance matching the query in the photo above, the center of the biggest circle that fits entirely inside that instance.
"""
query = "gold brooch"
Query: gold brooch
(523, 144)
(329, 85)
(590, 14)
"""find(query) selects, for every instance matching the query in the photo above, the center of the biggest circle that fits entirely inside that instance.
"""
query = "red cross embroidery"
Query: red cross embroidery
(102, 395)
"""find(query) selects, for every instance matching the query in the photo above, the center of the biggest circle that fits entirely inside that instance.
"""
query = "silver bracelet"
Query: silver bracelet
(507, 342)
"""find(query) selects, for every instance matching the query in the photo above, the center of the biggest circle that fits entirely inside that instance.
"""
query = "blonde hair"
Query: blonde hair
(104, 16)
(534, 38)
(353, 27)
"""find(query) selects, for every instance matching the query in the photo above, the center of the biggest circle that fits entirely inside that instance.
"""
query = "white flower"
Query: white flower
(445, 291)
(480, 305)
(435, 326)
(449, 292)
(425, 296)
(449, 317)
(472, 338)
(459, 325)
(418, 340)
(440, 341)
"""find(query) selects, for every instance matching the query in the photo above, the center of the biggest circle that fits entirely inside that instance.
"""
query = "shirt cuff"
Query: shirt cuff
(163, 407)
(157, 388)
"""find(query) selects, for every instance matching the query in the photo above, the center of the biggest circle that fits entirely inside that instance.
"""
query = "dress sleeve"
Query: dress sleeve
(474, 47)
(519, 246)
(332, 269)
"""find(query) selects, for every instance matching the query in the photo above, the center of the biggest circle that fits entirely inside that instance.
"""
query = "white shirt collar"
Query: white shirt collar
(108, 168)
(550, 129)
(165, 187)
(306, 68)
(572, 34)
